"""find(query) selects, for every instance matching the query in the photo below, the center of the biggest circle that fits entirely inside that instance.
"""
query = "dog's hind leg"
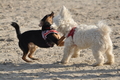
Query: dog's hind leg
(32, 49)
(76, 52)
(99, 58)
(25, 49)
(110, 56)
(98, 55)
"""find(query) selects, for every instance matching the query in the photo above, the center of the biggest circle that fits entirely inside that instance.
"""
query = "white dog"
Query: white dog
(96, 37)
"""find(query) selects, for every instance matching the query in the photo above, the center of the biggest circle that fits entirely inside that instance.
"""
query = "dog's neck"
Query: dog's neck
(65, 29)
(46, 26)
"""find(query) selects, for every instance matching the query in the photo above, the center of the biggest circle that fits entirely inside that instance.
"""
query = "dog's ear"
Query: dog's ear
(52, 14)
(64, 12)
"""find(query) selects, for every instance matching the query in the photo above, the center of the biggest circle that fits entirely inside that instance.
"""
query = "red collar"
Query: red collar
(71, 33)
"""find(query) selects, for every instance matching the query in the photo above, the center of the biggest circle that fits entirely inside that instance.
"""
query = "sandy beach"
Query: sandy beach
(28, 13)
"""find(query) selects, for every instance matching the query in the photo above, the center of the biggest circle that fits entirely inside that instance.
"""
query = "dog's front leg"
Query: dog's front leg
(67, 54)
(61, 42)
(76, 52)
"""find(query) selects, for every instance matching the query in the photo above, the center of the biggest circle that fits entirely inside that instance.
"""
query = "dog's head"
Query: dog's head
(63, 20)
(47, 21)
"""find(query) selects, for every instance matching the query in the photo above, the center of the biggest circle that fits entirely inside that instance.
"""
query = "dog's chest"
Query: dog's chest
(47, 32)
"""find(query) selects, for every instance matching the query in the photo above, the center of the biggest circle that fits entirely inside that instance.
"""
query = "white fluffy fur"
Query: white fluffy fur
(96, 37)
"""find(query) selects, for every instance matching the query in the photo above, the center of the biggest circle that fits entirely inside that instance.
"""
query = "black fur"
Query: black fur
(33, 36)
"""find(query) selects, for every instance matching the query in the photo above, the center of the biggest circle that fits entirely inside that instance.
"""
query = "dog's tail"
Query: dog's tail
(104, 28)
(16, 26)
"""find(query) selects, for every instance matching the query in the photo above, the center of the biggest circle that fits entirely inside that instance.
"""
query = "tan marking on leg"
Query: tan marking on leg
(32, 49)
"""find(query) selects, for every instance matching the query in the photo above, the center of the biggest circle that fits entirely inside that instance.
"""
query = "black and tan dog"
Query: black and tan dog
(29, 40)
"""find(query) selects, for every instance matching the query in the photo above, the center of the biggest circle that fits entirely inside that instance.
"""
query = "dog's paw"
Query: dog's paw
(63, 62)
(99, 64)
(58, 62)
(34, 58)
(29, 61)
(75, 56)
(108, 63)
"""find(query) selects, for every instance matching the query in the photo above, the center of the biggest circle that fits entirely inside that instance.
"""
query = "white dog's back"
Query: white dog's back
(88, 35)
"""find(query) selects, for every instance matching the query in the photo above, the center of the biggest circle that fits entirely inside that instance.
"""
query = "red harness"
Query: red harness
(45, 33)
(71, 33)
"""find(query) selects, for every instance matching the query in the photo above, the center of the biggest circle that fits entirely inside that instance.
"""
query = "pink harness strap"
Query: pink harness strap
(45, 33)
(71, 33)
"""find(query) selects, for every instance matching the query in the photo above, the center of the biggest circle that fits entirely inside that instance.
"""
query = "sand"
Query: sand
(27, 13)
